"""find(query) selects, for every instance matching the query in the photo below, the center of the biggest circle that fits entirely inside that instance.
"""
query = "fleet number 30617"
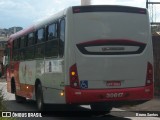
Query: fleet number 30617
(114, 95)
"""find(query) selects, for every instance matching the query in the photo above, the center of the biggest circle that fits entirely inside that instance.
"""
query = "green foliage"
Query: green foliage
(7, 118)
(2, 107)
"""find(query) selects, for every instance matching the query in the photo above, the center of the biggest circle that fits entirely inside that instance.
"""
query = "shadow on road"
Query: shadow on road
(64, 112)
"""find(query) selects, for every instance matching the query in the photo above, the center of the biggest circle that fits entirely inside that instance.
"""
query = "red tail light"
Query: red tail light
(149, 77)
(74, 80)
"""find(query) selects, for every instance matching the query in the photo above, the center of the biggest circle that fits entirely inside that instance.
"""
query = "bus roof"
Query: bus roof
(76, 9)
(108, 8)
(36, 26)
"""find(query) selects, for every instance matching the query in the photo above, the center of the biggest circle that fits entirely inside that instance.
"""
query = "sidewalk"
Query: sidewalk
(2, 79)
(152, 105)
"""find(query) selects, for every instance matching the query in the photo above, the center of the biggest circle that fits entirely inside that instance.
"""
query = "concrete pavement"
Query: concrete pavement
(152, 105)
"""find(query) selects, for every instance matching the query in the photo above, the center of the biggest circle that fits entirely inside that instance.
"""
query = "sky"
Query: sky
(24, 13)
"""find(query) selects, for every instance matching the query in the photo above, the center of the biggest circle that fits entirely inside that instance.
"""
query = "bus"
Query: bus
(99, 55)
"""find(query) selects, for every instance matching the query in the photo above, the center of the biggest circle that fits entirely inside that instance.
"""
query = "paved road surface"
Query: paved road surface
(78, 112)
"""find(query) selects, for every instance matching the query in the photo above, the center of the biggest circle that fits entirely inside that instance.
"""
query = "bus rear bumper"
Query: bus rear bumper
(85, 96)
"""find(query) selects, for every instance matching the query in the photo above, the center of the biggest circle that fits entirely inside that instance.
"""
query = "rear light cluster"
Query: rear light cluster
(74, 80)
(149, 77)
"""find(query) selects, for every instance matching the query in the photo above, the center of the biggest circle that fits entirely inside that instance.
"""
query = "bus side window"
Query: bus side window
(30, 40)
(22, 49)
(40, 43)
(30, 48)
(40, 35)
(62, 37)
(15, 49)
(52, 41)
(52, 31)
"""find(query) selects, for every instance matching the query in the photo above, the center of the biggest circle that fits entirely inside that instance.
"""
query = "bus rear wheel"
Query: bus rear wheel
(39, 98)
(101, 108)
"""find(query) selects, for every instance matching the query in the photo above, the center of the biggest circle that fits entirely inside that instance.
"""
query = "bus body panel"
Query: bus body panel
(27, 72)
(87, 96)
(53, 81)
(99, 71)
(110, 47)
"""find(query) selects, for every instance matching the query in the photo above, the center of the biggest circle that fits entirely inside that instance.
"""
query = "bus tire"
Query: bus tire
(39, 98)
(100, 108)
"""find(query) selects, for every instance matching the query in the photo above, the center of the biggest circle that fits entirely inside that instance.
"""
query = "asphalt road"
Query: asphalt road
(61, 111)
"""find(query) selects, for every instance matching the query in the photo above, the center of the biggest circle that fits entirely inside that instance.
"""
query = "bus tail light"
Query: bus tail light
(74, 80)
(149, 77)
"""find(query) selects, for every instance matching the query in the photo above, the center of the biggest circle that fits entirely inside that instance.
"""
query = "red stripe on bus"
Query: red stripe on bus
(90, 96)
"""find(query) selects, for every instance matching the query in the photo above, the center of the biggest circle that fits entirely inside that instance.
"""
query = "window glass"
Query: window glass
(30, 39)
(52, 48)
(18, 43)
(15, 44)
(52, 31)
(39, 50)
(22, 42)
(22, 54)
(15, 49)
(62, 37)
(40, 36)
(15, 55)
(29, 53)
(21, 51)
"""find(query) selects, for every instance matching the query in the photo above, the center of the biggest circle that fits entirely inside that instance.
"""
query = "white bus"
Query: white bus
(95, 55)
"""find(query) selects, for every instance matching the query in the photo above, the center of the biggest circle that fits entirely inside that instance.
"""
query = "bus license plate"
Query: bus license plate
(113, 83)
